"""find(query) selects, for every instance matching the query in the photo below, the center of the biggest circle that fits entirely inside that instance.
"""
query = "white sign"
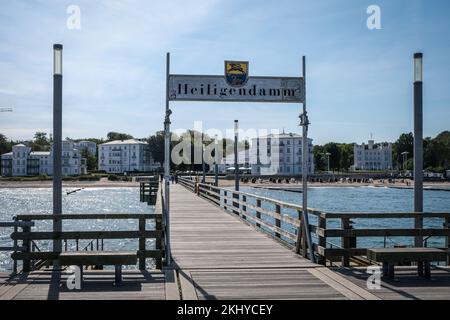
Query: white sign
(216, 88)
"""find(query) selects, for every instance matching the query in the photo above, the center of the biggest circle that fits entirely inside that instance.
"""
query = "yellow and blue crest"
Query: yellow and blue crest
(236, 73)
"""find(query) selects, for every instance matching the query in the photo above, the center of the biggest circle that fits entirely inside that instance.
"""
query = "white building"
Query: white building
(279, 154)
(227, 163)
(373, 156)
(90, 146)
(121, 156)
(24, 162)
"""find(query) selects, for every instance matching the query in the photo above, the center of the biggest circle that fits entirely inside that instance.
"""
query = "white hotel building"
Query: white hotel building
(90, 146)
(372, 156)
(24, 162)
(121, 156)
(279, 154)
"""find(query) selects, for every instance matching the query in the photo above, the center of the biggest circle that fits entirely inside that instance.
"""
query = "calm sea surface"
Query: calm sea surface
(126, 200)
(90, 200)
(364, 199)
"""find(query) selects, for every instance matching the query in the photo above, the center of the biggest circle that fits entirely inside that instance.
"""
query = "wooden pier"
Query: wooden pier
(218, 254)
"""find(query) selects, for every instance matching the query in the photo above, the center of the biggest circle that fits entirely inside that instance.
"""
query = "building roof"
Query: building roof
(129, 141)
(7, 154)
(19, 145)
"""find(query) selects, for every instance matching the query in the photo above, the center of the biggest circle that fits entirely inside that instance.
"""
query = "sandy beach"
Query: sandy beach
(102, 183)
(376, 183)
(105, 183)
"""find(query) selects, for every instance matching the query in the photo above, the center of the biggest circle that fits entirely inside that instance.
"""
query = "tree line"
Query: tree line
(341, 155)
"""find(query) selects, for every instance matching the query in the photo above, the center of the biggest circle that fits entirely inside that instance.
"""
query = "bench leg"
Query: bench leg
(427, 268)
(117, 274)
(420, 268)
(81, 276)
(391, 272)
(385, 268)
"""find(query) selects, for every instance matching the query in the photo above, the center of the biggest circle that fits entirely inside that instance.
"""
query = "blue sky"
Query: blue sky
(359, 80)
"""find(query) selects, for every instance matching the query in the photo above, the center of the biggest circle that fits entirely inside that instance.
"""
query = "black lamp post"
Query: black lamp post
(57, 142)
(418, 143)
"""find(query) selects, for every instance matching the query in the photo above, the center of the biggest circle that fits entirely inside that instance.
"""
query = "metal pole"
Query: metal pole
(167, 163)
(57, 143)
(418, 145)
(305, 155)
(236, 169)
(203, 159)
(216, 165)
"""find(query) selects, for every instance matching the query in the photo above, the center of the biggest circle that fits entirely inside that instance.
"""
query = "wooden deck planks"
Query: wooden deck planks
(98, 285)
(204, 237)
(406, 285)
(228, 259)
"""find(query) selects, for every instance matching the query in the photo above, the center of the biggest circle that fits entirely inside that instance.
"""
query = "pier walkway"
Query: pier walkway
(221, 257)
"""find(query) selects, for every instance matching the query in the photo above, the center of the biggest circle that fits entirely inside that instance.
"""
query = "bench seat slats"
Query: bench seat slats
(393, 255)
(100, 258)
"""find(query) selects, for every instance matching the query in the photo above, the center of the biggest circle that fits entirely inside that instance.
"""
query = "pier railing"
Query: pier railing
(148, 191)
(336, 235)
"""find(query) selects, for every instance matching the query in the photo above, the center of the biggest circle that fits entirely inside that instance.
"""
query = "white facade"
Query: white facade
(279, 154)
(373, 156)
(24, 162)
(228, 162)
(121, 156)
(90, 146)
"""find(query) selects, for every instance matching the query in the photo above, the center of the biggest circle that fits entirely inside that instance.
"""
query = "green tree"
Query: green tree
(156, 144)
(404, 143)
(91, 160)
(118, 136)
(320, 161)
(40, 142)
(346, 156)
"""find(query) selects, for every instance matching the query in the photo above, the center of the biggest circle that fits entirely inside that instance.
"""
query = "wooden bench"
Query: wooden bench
(390, 256)
(115, 258)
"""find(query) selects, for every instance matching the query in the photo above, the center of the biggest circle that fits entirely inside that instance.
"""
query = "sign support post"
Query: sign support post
(167, 163)
(304, 122)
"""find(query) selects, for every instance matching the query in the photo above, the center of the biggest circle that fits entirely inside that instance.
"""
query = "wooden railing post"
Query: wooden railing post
(15, 248)
(159, 243)
(258, 213)
(322, 224)
(303, 243)
(142, 243)
(236, 204)
(244, 207)
(225, 199)
(447, 239)
(277, 220)
(345, 242)
(26, 244)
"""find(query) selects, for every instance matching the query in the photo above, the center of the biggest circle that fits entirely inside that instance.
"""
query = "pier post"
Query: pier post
(57, 143)
(167, 163)
(304, 122)
(142, 243)
(418, 145)
(236, 166)
(216, 165)
(277, 220)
